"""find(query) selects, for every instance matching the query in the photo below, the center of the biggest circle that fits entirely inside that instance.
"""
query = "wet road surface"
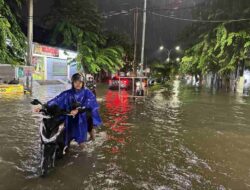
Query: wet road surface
(191, 139)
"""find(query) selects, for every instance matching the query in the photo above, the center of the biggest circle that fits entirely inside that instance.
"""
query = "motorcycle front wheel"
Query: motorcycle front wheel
(44, 167)
(45, 162)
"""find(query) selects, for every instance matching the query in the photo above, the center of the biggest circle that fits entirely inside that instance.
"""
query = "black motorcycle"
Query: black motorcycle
(52, 135)
(52, 132)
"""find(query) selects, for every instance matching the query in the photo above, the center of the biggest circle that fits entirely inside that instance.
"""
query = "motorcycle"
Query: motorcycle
(52, 135)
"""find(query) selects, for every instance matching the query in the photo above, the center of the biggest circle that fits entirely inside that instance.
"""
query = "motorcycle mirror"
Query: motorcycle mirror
(36, 102)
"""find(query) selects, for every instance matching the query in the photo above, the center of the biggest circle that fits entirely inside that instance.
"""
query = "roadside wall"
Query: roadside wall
(7, 72)
(240, 85)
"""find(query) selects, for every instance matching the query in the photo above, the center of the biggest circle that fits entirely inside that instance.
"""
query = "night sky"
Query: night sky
(160, 31)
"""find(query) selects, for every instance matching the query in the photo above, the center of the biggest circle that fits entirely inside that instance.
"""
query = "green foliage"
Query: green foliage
(81, 13)
(220, 46)
(122, 40)
(12, 40)
(164, 70)
(77, 25)
(68, 32)
(93, 59)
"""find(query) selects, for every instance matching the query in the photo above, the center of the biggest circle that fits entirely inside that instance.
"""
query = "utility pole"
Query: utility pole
(143, 36)
(30, 43)
(136, 14)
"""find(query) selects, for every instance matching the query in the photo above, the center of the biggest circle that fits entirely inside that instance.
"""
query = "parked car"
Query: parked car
(114, 83)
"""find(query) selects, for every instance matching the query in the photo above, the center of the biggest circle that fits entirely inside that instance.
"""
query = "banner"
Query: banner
(24, 71)
(39, 68)
(46, 50)
(20, 72)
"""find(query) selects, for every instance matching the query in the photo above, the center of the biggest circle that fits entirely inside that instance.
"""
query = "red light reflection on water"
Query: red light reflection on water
(117, 108)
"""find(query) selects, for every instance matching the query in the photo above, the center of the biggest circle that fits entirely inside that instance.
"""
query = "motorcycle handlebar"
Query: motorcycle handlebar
(60, 112)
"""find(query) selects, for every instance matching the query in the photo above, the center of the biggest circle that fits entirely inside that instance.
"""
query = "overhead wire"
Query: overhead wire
(117, 13)
(126, 12)
(170, 9)
(199, 20)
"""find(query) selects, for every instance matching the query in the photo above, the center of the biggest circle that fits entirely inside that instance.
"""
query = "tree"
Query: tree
(164, 70)
(68, 18)
(77, 25)
(94, 56)
(115, 39)
(220, 46)
(12, 39)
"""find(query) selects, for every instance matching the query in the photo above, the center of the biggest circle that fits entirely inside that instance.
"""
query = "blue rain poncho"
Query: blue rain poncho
(77, 128)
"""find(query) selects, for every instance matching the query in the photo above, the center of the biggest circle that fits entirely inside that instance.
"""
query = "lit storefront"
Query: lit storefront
(52, 63)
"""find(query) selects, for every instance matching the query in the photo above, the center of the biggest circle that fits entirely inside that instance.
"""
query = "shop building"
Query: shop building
(52, 63)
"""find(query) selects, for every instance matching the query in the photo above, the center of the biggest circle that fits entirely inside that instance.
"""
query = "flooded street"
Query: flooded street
(191, 139)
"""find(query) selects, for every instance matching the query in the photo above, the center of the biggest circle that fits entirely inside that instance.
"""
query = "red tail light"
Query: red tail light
(125, 81)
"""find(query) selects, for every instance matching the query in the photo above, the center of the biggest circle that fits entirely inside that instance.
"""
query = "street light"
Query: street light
(169, 51)
(178, 59)
(177, 48)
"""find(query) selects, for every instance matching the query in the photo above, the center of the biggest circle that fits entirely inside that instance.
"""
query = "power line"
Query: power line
(197, 20)
(126, 12)
(117, 13)
(170, 9)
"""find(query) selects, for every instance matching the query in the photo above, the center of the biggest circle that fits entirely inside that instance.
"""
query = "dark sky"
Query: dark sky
(160, 31)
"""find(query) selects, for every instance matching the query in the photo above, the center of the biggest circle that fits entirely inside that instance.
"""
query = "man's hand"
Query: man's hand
(37, 109)
(74, 112)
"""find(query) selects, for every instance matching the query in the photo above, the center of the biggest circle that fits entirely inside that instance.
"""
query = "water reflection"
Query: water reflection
(175, 102)
(187, 139)
(117, 107)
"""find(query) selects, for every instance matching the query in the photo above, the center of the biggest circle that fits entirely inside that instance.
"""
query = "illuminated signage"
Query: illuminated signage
(46, 50)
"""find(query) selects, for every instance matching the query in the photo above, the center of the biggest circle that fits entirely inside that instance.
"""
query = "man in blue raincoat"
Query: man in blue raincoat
(78, 126)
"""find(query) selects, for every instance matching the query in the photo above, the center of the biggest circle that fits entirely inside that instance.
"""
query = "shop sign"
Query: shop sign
(46, 50)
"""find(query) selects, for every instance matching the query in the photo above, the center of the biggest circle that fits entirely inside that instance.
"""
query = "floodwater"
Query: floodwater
(189, 139)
